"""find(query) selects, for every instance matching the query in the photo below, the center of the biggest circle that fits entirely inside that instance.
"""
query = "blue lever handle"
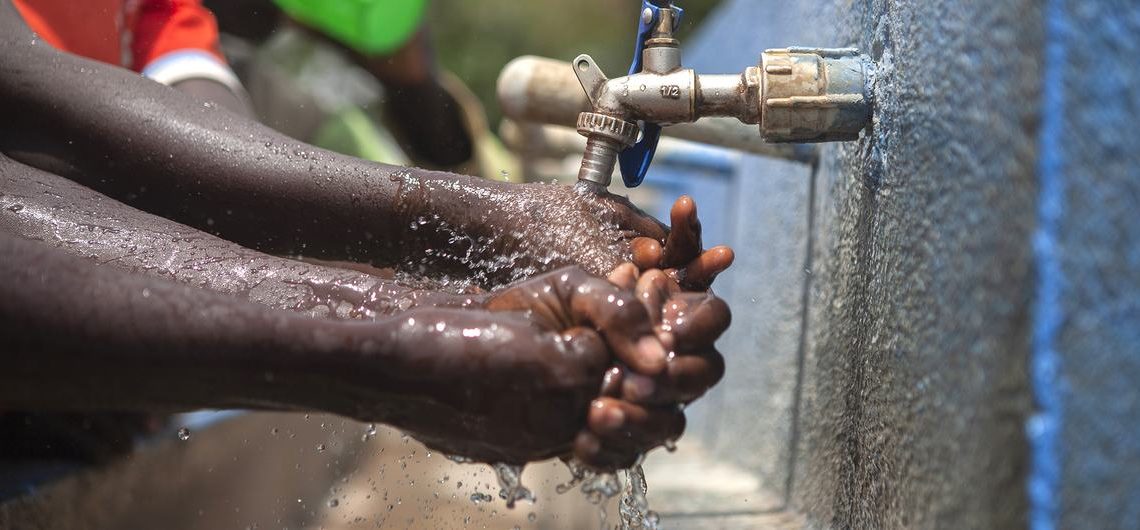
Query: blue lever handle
(634, 160)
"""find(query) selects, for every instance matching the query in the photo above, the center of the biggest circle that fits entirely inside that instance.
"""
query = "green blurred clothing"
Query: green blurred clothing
(371, 27)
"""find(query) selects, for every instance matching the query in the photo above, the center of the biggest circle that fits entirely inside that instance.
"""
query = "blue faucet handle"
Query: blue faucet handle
(634, 160)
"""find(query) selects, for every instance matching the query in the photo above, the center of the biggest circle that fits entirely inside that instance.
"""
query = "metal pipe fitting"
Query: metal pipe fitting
(605, 136)
(535, 89)
(813, 94)
(727, 95)
(795, 95)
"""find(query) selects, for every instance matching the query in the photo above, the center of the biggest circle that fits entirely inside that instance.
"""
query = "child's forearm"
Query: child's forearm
(171, 155)
(37, 205)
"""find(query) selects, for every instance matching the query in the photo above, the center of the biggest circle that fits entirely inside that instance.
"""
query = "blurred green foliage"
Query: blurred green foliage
(475, 39)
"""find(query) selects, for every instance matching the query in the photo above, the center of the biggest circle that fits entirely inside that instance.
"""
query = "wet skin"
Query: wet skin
(520, 387)
(169, 154)
(516, 390)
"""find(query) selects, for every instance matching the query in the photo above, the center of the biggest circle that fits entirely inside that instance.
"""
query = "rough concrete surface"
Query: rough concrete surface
(915, 389)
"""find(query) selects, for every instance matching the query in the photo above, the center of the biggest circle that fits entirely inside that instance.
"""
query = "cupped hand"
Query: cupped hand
(511, 378)
(637, 412)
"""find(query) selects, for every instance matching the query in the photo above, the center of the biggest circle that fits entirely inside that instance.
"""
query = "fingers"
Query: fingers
(653, 289)
(647, 253)
(623, 322)
(612, 382)
(617, 432)
(696, 320)
(684, 241)
(688, 377)
(615, 418)
(624, 276)
(700, 272)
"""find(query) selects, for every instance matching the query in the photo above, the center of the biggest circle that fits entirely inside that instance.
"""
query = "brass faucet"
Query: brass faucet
(794, 94)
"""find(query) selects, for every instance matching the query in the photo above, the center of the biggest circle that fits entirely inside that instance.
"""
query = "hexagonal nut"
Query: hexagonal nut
(591, 123)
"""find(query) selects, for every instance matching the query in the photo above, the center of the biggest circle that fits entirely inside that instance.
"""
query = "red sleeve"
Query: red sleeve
(162, 26)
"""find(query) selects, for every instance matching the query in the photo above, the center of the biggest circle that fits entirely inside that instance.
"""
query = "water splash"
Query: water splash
(633, 508)
(459, 459)
(599, 488)
(510, 482)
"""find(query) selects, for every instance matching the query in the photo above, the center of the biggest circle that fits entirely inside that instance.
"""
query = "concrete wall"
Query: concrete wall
(964, 329)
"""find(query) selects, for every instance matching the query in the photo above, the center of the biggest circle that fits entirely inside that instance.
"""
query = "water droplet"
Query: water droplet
(320, 448)
(184, 434)
(15, 208)
(146, 292)
(532, 517)
(479, 498)
(670, 445)
(333, 503)
(369, 432)
(510, 484)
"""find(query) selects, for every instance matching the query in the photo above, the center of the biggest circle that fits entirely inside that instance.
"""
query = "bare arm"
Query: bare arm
(172, 156)
(90, 319)
(509, 383)
(38, 205)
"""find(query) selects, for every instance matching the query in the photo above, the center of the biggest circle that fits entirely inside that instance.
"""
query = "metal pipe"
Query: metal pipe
(723, 95)
(540, 90)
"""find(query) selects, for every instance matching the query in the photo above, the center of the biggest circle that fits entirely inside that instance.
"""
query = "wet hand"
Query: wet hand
(543, 226)
(513, 380)
(637, 412)
(681, 255)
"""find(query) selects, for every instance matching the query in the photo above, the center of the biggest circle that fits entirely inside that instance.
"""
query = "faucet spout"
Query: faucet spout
(794, 95)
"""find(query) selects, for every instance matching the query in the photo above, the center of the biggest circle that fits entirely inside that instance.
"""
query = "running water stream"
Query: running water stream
(598, 488)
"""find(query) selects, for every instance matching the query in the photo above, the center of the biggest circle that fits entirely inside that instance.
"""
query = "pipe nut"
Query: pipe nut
(813, 94)
(617, 129)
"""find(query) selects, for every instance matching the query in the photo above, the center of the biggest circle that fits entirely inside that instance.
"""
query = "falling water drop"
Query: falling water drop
(510, 484)
(479, 498)
(184, 434)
